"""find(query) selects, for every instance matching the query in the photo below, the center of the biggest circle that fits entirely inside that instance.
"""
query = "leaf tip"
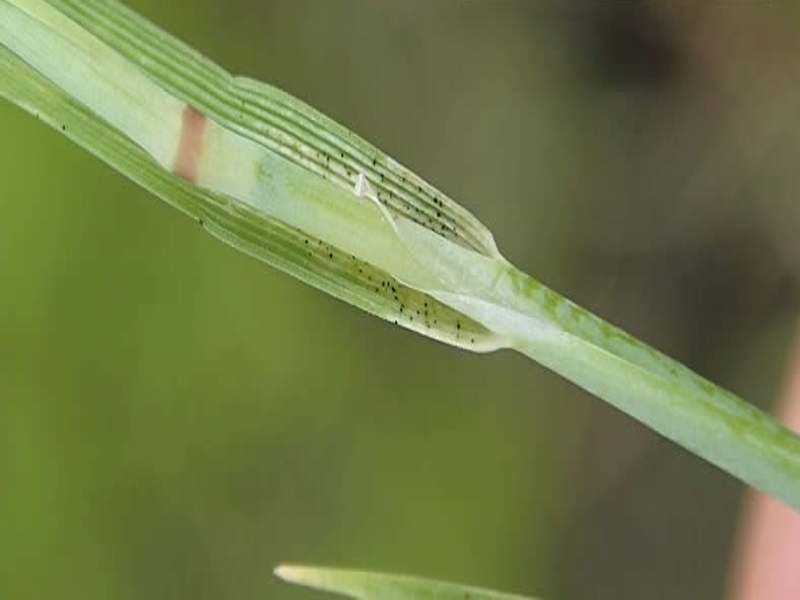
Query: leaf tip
(289, 573)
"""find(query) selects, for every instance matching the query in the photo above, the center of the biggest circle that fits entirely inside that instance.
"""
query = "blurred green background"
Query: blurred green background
(176, 419)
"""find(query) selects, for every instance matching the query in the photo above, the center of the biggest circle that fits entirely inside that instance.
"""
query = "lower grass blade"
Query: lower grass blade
(364, 585)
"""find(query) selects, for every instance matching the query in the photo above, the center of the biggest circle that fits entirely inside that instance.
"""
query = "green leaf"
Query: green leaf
(278, 180)
(363, 585)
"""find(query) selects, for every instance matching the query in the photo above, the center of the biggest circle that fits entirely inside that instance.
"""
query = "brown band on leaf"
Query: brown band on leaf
(190, 147)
